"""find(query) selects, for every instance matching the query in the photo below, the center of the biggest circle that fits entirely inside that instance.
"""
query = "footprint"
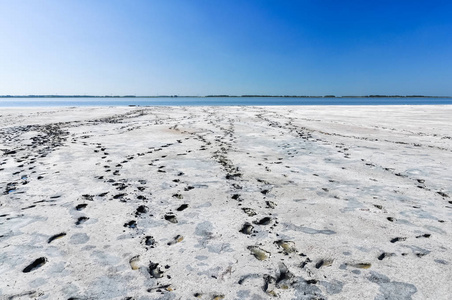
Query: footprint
(182, 207)
(81, 220)
(287, 246)
(159, 288)
(270, 285)
(427, 235)
(236, 197)
(236, 186)
(119, 196)
(249, 211)
(177, 239)
(142, 209)
(56, 236)
(259, 253)
(361, 265)
(88, 197)
(171, 218)
(154, 270)
(263, 221)
(398, 239)
(324, 263)
(304, 263)
(270, 204)
(247, 228)
(442, 194)
(134, 262)
(131, 224)
(35, 265)
(383, 255)
(81, 206)
(311, 281)
(285, 278)
(149, 241)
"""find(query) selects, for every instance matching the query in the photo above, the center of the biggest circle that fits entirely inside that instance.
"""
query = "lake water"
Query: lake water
(216, 101)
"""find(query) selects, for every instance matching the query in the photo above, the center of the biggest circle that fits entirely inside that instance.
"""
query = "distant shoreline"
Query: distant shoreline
(221, 96)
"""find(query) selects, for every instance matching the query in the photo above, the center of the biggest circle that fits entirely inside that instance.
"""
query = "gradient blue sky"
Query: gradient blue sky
(200, 47)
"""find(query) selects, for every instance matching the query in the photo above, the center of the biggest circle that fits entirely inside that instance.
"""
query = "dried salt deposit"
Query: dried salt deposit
(226, 202)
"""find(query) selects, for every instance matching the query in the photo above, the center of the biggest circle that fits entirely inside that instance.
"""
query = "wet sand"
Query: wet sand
(226, 202)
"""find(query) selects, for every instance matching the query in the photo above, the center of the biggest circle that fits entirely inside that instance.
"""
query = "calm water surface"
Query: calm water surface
(216, 101)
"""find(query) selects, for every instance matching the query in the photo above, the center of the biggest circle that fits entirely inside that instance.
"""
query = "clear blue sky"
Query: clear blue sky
(200, 47)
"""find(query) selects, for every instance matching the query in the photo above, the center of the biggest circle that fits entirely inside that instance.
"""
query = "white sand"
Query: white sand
(358, 202)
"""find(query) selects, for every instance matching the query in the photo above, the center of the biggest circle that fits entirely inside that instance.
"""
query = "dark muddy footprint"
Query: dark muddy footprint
(149, 241)
(56, 236)
(324, 263)
(263, 221)
(398, 239)
(442, 194)
(154, 270)
(35, 265)
(119, 196)
(285, 278)
(270, 204)
(247, 228)
(182, 207)
(81, 220)
(427, 235)
(171, 218)
(81, 206)
(383, 255)
(236, 197)
(142, 209)
(249, 211)
(131, 224)
(88, 197)
(178, 196)
(121, 187)
(28, 207)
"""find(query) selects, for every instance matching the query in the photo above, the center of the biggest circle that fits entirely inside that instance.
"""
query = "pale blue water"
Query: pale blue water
(216, 101)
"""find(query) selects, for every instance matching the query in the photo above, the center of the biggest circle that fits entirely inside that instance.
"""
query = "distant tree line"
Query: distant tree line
(220, 96)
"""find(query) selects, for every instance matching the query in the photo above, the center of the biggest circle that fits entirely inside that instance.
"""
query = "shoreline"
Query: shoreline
(238, 202)
(222, 101)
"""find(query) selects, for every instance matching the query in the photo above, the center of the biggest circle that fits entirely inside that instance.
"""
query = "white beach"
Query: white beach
(295, 202)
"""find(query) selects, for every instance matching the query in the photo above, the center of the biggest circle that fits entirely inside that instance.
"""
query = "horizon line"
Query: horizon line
(221, 96)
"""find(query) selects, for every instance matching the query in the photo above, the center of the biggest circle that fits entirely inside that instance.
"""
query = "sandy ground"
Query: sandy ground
(226, 202)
